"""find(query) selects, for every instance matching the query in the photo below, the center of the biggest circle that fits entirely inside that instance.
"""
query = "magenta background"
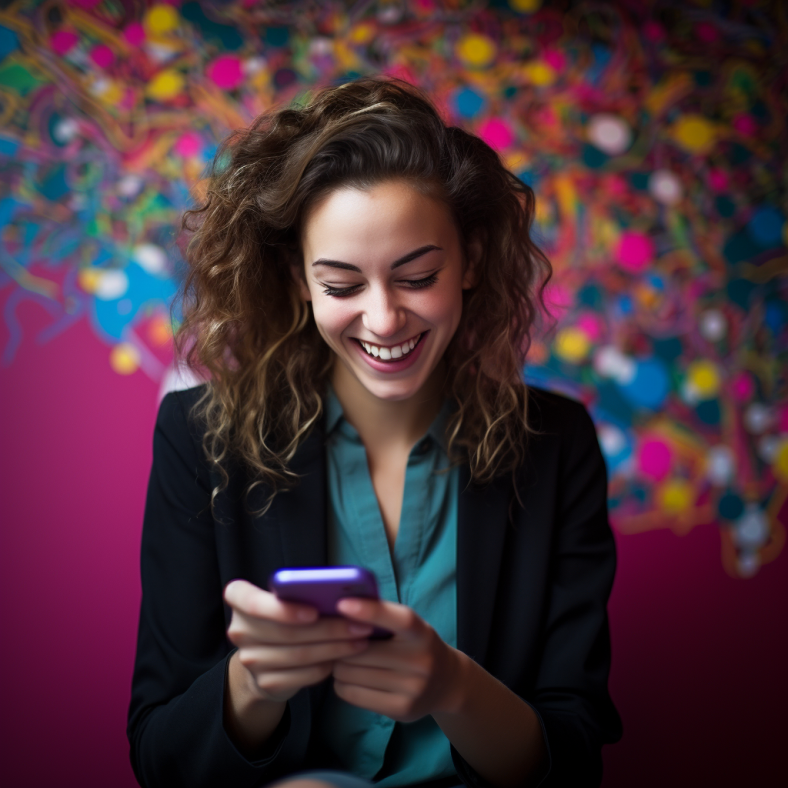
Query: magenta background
(699, 670)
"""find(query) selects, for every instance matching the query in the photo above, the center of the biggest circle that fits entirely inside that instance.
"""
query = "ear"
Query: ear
(472, 273)
(297, 272)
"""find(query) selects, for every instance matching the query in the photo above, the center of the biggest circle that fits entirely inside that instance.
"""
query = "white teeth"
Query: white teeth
(387, 353)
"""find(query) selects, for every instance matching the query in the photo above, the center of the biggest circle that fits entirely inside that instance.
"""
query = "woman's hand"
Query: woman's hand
(407, 677)
(285, 646)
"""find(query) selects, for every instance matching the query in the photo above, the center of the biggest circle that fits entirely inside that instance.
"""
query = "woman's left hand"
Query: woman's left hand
(406, 677)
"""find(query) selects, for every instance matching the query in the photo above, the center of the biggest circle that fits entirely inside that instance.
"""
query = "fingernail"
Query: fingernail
(359, 629)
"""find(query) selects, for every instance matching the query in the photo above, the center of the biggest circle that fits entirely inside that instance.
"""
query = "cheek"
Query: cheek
(332, 318)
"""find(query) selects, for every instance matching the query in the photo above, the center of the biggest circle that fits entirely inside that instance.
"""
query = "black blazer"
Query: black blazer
(531, 598)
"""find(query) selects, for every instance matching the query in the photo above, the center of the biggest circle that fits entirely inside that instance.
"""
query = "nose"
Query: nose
(383, 315)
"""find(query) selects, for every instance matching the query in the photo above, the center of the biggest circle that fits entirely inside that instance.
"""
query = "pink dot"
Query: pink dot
(188, 144)
(653, 31)
(654, 459)
(226, 72)
(85, 3)
(706, 32)
(557, 299)
(591, 325)
(555, 59)
(63, 41)
(134, 34)
(745, 124)
(102, 56)
(743, 386)
(718, 180)
(496, 133)
(617, 185)
(635, 251)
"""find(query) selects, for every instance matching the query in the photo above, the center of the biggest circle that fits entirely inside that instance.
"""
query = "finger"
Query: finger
(245, 629)
(251, 600)
(282, 684)
(389, 654)
(378, 679)
(266, 658)
(389, 704)
(399, 619)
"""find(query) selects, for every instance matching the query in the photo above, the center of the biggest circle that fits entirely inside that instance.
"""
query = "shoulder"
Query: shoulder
(176, 419)
(552, 413)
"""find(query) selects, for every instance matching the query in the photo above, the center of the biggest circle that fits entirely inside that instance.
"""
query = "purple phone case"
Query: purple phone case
(322, 587)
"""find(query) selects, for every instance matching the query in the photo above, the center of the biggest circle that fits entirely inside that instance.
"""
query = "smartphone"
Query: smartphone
(322, 587)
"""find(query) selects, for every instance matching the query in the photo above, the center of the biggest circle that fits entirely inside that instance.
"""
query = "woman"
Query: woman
(361, 292)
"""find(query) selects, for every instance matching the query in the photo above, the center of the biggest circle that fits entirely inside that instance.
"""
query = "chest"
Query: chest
(387, 474)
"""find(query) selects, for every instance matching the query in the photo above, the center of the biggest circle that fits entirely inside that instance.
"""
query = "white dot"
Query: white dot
(757, 418)
(65, 130)
(321, 46)
(99, 86)
(720, 465)
(150, 257)
(665, 187)
(609, 133)
(112, 284)
(713, 325)
(612, 440)
(130, 185)
(768, 446)
(253, 65)
(610, 362)
(751, 530)
(390, 15)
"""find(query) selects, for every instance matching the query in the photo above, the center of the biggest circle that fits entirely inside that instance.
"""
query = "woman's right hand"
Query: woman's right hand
(285, 646)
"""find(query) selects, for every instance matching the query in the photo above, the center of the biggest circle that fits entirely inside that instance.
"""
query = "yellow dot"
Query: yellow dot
(112, 94)
(363, 33)
(704, 377)
(166, 85)
(476, 49)
(89, 279)
(124, 359)
(161, 19)
(571, 344)
(675, 496)
(539, 73)
(780, 465)
(694, 133)
(525, 6)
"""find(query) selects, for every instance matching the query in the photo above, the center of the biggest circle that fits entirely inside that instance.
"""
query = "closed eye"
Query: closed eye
(341, 292)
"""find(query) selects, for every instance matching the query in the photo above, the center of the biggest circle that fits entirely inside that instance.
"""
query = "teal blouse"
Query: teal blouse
(420, 572)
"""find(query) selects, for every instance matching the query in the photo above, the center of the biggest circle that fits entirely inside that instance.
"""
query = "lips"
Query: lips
(394, 364)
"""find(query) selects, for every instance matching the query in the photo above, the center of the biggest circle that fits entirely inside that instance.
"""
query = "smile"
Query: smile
(392, 352)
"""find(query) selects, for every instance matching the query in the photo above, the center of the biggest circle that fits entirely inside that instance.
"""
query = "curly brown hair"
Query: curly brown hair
(246, 329)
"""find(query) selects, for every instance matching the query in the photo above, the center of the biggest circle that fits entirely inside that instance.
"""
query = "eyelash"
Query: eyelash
(341, 292)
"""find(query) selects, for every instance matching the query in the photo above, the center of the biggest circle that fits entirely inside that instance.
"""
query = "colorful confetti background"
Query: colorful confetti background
(654, 134)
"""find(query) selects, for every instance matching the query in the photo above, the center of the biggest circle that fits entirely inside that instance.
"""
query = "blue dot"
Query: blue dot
(8, 41)
(730, 506)
(469, 103)
(765, 226)
(277, 36)
(593, 158)
(650, 385)
(625, 304)
(708, 411)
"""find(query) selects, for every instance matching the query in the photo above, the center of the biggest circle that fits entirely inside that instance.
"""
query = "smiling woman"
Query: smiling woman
(361, 293)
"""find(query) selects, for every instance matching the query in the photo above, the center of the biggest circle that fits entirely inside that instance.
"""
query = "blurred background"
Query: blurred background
(654, 135)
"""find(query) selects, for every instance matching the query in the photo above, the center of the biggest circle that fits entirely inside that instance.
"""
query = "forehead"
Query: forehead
(390, 214)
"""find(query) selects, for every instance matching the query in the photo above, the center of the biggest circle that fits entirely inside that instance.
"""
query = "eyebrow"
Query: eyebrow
(422, 250)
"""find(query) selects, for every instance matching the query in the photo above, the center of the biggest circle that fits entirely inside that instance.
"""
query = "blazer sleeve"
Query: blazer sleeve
(175, 725)
(571, 694)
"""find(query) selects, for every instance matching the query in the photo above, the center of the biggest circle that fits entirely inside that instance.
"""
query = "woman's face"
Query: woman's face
(384, 271)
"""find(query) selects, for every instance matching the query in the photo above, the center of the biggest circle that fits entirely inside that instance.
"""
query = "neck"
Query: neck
(385, 424)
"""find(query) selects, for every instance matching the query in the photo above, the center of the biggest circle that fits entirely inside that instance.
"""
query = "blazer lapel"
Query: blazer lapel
(302, 511)
(481, 527)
